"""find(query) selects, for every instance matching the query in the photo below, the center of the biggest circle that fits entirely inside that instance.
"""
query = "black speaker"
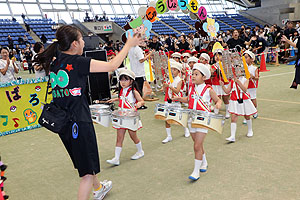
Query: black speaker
(98, 83)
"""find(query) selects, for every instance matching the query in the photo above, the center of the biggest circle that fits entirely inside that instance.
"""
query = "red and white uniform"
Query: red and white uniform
(216, 77)
(127, 101)
(199, 99)
(253, 84)
(169, 93)
(245, 107)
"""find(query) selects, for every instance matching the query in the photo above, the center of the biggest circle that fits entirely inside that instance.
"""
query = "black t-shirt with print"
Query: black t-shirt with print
(68, 78)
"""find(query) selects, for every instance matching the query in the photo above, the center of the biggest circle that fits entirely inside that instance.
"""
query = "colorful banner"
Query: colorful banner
(21, 104)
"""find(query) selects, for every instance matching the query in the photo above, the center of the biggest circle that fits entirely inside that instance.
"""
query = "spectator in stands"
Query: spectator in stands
(23, 16)
(39, 69)
(28, 57)
(155, 44)
(96, 18)
(10, 42)
(14, 19)
(256, 29)
(262, 34)
(8, 68)
(87, 17)
(170, 42)
(289, 31)
(109, 46)
(234, 42)
(27, 27)
(183, 44)
(257, 44)
(20, 40)
(246, 34)
(25, 38)
(44, 39)
(196, 41)
(117, 46)
(298, 27)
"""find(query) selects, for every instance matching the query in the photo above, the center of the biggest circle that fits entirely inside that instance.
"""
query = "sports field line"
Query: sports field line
(279, 101)
(278, 120)
(271, 75)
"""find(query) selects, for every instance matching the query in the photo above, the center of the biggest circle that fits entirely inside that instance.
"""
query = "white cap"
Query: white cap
(250, 53)
(186, 54)
(192, 59)
(203, 69)
(176, 65)
(124, 71)
(205, 56)
(176, 55)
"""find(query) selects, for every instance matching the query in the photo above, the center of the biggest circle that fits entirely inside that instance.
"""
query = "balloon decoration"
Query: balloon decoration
(161, 6)
(147, 15)
(172, 4)
(202, 13)
(182, 4)
(193, 6)
(151, 14)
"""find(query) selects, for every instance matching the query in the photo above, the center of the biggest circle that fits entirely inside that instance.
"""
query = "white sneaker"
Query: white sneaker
(187, 134)
(230, 139)
(244, 121)
(227, 115)
(168, 139)
(106, 187)
(250, 134)
(194, 176)
(138, 155)
(203, 167)
(114, 161)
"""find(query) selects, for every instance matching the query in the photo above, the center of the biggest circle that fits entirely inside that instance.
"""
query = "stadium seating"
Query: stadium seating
(177, 24)
(42, 26)
(15, 30)
(244, 20)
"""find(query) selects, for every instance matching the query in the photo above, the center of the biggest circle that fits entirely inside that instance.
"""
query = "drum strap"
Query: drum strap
(198, 98)
(125, 99)
(235, 86)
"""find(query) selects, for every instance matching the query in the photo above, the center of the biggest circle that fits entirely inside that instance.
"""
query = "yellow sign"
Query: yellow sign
(21, 105)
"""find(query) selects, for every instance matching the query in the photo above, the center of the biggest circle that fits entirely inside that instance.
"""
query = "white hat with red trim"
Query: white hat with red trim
(192, 59)
(250, 53)
(203, 69)
(176, 65)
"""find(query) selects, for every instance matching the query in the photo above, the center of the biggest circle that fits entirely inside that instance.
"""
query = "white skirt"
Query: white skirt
(140, 125)
(252, 92)
(245, 108)
(218, 89)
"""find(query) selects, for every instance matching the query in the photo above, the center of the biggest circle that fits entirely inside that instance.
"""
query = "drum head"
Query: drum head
(100, 109)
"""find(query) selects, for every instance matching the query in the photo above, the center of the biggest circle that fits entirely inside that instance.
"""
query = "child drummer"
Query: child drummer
(172, 90)
(240, 104)
(129, 99)
(199, 98)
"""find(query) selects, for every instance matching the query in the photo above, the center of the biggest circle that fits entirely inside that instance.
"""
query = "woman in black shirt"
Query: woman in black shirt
(296, 80)
(68, 77)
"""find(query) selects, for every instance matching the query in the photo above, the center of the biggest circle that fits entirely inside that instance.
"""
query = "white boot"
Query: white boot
(196, 173)
(250, 131)
(233, 131)
(116, 159)
(186, 132)
(169, 136)
(203, 167)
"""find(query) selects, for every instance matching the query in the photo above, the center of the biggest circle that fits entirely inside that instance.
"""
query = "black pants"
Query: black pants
(140, 83)
(30, 68)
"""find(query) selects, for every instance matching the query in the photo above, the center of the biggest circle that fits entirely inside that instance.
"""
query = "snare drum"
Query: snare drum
(101, 114)
(160, 111)
(178, 116)
(208, 120)
(127, 119)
